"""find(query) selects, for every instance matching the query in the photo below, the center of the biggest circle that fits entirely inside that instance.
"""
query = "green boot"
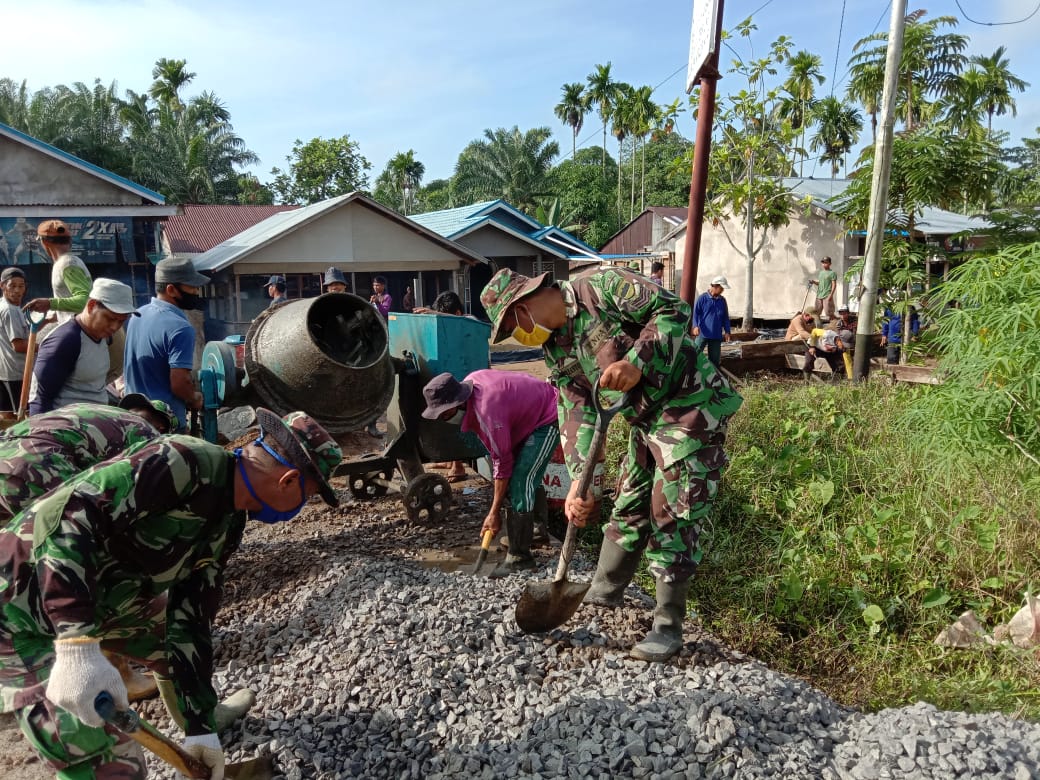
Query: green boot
(226, 713)
(520, 528)
(615, 569)
(665, 640)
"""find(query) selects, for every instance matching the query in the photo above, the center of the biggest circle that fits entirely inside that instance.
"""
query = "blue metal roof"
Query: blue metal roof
(456, 222)
(72, 159)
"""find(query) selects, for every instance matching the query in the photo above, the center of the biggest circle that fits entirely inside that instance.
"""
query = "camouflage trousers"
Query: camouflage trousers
(661, 509)
(75, 750)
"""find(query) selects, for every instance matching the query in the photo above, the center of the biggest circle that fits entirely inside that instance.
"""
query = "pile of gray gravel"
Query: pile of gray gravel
(369, 665)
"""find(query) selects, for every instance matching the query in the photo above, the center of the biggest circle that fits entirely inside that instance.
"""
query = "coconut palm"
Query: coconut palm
(571, 111)
(928, 69)
(407, 173)
(602, 92)
(644, 114)
(998, 83)
(507, 164)
(621, 127)
(837, 130)
(866, 83)
(803, 76)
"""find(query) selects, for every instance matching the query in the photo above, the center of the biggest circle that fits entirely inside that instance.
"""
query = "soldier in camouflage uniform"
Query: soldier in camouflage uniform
(45, 450)
(129, 556)
(620, 327)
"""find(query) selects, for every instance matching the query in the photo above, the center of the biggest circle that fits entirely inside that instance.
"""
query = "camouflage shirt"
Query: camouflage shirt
(86, 559)
(45, 450)
(613, 315)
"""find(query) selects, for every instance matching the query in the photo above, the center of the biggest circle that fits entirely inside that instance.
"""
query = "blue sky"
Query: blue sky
(430, 76)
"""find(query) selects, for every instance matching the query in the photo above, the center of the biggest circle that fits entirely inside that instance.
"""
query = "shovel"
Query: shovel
(144, 733)
(485, 544)
(35, 323)
(545, 605)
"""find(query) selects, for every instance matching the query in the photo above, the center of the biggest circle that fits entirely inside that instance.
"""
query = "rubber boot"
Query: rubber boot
(665, 640)
(541, 517)
(226, 713)
(520, 528)
(614, 571)
(139, 686)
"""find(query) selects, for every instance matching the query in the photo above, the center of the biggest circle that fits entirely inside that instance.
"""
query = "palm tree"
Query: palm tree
(170, 76)
(866, 83)
(93, 126)
(838, 129)
(571, 111)
(621, 127)
(603, 93)
(507, 164)
(998, 82)
(644, 115)
(407, 173)
(803, 75)
(929, 66)
(34, 113)
(963, 108)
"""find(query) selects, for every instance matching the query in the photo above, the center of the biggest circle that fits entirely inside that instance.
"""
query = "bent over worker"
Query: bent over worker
(514, 416)
(106, 561)
(620, 329)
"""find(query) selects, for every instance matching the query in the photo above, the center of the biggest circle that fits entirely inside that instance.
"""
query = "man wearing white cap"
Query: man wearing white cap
(711, 319)
(72, 364)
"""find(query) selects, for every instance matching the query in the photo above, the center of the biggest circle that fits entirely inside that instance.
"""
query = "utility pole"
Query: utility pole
(878, 218)
(705, 34)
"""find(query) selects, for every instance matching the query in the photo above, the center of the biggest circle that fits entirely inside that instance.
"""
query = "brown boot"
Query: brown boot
(139, 685)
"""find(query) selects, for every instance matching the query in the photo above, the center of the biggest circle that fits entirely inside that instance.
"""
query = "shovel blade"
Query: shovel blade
(259, 768)
(544, 606)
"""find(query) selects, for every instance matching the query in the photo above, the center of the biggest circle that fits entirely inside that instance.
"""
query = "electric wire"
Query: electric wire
(837, 50)
(996, 24)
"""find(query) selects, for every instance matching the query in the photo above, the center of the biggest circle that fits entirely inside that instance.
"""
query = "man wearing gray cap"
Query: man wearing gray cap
(711, 319)
(160, 346)
(276, 290)
(72, 364)
(334, 281)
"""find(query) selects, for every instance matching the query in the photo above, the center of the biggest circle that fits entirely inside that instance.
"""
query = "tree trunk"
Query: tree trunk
(574, 143)
(620, 168)
(642, 178)
(632, 185)
(748, 322)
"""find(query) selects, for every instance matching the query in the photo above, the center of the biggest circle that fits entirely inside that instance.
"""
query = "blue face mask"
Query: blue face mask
(267, 513)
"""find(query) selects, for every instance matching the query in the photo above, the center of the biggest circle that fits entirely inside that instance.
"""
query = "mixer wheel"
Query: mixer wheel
(427, 499)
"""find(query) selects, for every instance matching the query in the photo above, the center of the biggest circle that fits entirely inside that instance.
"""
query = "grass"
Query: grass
(839, 549)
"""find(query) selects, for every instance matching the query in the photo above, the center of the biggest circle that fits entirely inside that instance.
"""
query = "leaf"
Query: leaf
(986, 535)
(792, 586)
(936, 597)
(873, 615)
(993, 582)
(821, 492)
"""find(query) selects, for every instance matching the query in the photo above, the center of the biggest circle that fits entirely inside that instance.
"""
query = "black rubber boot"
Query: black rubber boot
(520, 528)
(665, 640)
(614, 570)
(541, 517)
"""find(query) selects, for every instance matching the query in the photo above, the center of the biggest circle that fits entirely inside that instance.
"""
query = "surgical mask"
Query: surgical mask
(456, 419)
(267, 513)
(535, 337)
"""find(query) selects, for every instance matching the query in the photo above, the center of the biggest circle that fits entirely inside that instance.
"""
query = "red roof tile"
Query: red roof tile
(202, 227)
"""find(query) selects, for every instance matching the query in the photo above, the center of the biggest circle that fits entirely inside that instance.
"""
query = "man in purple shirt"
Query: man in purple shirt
(380, 297)
(515, 416)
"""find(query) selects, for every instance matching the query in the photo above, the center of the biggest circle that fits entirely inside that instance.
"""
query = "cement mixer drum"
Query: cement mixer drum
(327, 356)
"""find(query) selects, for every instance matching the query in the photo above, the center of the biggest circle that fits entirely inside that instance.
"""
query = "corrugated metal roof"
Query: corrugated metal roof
(283, 223)
(457, 222)
(71, 159)
(201, 227)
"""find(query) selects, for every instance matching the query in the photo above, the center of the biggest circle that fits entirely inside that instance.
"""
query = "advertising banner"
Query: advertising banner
(94, 240)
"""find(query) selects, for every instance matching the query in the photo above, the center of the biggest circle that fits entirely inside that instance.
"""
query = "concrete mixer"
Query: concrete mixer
(334, 358)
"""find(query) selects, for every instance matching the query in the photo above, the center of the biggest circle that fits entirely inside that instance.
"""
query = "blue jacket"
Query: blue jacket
(711, 315)
(893, 328)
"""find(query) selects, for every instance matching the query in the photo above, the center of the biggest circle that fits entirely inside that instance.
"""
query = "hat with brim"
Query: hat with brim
(276, 279)
(132, 401)
(297, 442)
(443, 393)
(179, 270)
(114, 296)
(503, 290)
(334, 276)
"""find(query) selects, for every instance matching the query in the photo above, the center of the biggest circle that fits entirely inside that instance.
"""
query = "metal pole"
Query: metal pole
(879, 195)
(699, 175)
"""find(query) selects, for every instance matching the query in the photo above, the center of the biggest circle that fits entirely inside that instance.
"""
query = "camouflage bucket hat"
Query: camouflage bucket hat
(132, 401)
(503, 290)
(307, 445)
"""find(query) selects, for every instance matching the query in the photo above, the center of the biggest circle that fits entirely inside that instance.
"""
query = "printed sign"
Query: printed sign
(94, 240)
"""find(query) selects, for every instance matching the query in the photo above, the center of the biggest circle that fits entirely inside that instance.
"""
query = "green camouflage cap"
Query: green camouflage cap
(133, 401)
(310, 447)
(503, 290)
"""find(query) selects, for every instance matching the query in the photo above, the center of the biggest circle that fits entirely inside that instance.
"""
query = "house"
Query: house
(508, 238)
(791, 255)
(353, 232)
(114, 222)
(200, 227)
(639, 243)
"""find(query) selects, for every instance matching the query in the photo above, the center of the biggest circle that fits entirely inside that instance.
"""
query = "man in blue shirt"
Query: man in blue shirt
(160, 345)
(711, 319)
(892, 333)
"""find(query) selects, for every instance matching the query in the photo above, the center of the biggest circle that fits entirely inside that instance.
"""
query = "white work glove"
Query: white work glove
(206, 748)
(80, 673)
